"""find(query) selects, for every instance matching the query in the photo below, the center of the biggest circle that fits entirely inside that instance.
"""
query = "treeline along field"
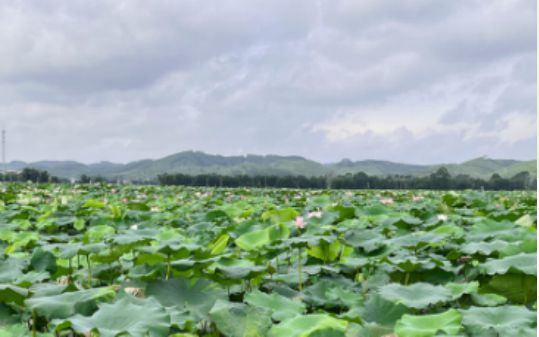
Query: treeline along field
(441, 179)
(438, 180)
(108, 260)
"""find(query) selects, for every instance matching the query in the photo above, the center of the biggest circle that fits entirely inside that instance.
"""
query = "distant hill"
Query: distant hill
(194, 162)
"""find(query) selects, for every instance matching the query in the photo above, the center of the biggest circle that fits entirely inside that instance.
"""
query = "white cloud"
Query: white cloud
(414, 80)
(518, 127)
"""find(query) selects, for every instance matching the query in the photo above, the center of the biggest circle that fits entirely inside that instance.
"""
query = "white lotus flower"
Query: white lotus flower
(387, 201)
(442, 217)
(314, 214)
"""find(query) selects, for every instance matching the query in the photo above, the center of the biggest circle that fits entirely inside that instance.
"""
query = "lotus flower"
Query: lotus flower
(442, 217)
(417, 198)
(300, 222)
(315, 214)
(386, 201)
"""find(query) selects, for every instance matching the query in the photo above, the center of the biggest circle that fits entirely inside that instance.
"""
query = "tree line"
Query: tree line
(30, 174)
(441, 179)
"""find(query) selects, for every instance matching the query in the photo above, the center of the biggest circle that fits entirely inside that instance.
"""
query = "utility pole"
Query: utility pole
(4, 165)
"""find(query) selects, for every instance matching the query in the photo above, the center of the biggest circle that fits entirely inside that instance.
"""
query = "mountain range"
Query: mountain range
(194, 162)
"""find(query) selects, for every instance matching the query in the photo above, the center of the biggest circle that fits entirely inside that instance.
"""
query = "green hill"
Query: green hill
(194, 162)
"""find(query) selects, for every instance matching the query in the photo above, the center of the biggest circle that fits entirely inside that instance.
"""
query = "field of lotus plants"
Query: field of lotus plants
(105, 260)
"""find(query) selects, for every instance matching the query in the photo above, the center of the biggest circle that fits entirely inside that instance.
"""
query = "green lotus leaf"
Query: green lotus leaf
(418, 239)
(344, 212)
(332, 292)
(369, 240)
(325, 251)
(282, 307)
(19, 330)
(13, 294)
(98, 233)
(129, 315)
(280, 215)
(11, 269)
(452, 230)
(43, 261)
(402, 221)
(195, 296)
(526, 221)
(240, 320)
(380, 311)
(328, 333)
(48, 289)
(448, 322)
(488, 300)
(410, 263)
(459, 289)
(528, 245)
(21, 240)
(8, 315)
(305, 326)
(525, 263)
(418, 295)
(92, 203)
(492, 229)
(236, 269)
(260, 238)
(240, 273)
(504, 320)
(368, 330)
(219, 245)
(517, 288)
(134, 238)
(483, 248)
(69, 303)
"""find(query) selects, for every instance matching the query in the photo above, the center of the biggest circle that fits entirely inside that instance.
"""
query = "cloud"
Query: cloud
(414, 80)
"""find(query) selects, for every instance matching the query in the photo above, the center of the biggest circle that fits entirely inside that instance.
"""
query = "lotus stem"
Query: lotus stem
(300, 281)
(89, 270)
(34, 323)
(168, 267)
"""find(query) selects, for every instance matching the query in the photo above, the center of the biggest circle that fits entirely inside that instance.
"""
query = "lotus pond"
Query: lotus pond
(103, 260)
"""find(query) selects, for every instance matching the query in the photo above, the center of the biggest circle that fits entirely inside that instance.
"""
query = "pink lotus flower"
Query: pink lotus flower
(386, 201)
(314, 214)
(417, 198)
(300, 222)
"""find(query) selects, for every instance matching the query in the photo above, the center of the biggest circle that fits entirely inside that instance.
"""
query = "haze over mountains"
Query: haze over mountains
(194, 162)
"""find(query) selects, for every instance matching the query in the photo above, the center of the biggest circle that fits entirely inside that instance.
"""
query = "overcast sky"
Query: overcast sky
(419, 81)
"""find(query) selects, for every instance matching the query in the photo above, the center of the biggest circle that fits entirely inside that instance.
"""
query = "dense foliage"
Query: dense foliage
(438, 180)
(102, 260)
(194, 162)
(29, 174)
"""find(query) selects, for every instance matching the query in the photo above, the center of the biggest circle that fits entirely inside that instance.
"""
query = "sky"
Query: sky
(417, 81)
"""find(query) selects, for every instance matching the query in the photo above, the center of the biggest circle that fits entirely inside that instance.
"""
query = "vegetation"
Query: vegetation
(29, 174)
(194, 163)
(107, 260)
(439, 180)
